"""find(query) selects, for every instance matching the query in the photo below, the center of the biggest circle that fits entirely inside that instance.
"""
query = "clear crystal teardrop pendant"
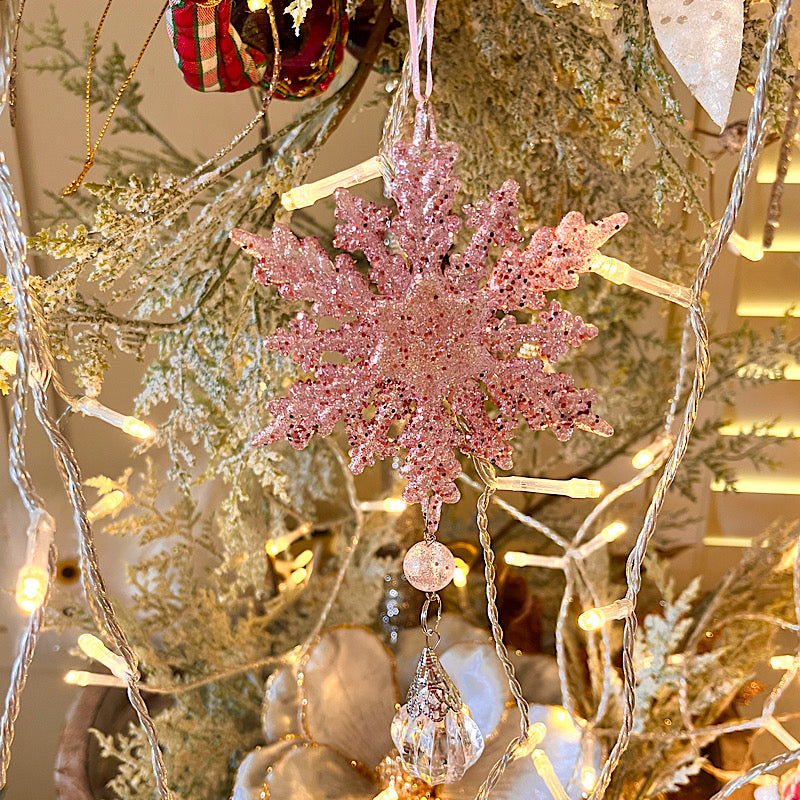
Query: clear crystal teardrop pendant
(434, 731)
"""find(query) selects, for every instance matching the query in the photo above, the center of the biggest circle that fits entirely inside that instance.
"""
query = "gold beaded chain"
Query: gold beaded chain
(90, 148)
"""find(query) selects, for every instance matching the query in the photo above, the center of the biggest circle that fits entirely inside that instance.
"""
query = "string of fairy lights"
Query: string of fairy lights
(30, 367)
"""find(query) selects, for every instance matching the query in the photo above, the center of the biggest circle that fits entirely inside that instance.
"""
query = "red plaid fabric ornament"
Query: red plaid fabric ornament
(226, 48)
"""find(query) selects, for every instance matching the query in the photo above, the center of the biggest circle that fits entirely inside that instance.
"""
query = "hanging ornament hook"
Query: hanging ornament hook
(432, 635)
(415, 46)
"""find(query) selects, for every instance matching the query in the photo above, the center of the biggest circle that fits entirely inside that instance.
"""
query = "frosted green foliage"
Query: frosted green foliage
(659, 638)
(578, 110)
(707, 651)
(201, 734)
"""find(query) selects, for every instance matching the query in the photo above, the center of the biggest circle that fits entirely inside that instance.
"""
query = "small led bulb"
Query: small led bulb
(77, 677)
(94, 648)
(132, 426)
(136, 428)
(309, 193)
(106, 505)
(281, 543)
(588, 779)
(33, 578)
(646, 456)
(782, 662)
(606, 536)
(8, 361)
(460, 573)
(752, 251)
(536, 734)
(514, 558)
(546, 772)
(613, 531)
(595, 618)
(574, 487)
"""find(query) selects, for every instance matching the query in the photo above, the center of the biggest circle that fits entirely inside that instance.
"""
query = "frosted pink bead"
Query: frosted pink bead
(429, 566)
(428, 337)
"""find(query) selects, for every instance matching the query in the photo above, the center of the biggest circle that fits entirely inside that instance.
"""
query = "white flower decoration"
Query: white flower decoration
(327, 720)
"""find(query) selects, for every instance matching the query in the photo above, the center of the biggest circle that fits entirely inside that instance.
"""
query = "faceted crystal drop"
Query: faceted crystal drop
(434, 732)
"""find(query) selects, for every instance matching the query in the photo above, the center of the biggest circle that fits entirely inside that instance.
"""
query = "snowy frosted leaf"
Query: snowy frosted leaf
(426, 341)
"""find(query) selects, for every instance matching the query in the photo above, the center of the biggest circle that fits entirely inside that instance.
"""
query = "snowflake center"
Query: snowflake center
(431, 337)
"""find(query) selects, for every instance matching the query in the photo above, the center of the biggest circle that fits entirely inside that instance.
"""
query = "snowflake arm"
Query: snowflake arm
(429, 437)
(302, 270)
(553, 259)
(545, 400)
(306, 344)
(369, 438)
(495, 223)
(424, 189)
(556, 331)
(314, 407)
(364, 227)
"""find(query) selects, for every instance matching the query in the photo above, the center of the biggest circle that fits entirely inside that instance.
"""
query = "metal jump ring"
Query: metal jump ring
(429, 631)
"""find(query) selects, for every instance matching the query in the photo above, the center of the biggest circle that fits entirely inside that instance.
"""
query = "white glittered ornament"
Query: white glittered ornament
(702, 39)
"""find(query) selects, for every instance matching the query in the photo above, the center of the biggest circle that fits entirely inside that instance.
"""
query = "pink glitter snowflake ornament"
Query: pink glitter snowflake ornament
(429, 337)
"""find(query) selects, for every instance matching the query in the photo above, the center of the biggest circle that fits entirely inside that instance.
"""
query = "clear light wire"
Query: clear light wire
(711, 255)
(486, 472)
(32, 342)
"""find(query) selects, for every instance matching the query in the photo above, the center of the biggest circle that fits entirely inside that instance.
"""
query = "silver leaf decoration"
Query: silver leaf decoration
(702, 39)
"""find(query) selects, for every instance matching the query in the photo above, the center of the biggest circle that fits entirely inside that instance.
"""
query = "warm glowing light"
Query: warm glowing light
(516, 559)
(595, 618)
(561, 715)
(256, 5)
(106, 505)
(546, 772)
(613, 531)
(619, 272)
(303, 559)
(137, 428)
(8, 361)
(460, 573)
(389, 793)
(281, 543)
(391, 505)
(762, 484)
(33, 578)
(789, 371)
(727, 541)
(588, 778)
(77, 677)
(94, 648)
(782, 662)
(646, 456)
(591, 620)
(308, 194)
(31, 588)
(575, 487)
(752, 251)
(747, 307)
(296, 578)
(536, 734)
(132, 426)
(777, 430)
